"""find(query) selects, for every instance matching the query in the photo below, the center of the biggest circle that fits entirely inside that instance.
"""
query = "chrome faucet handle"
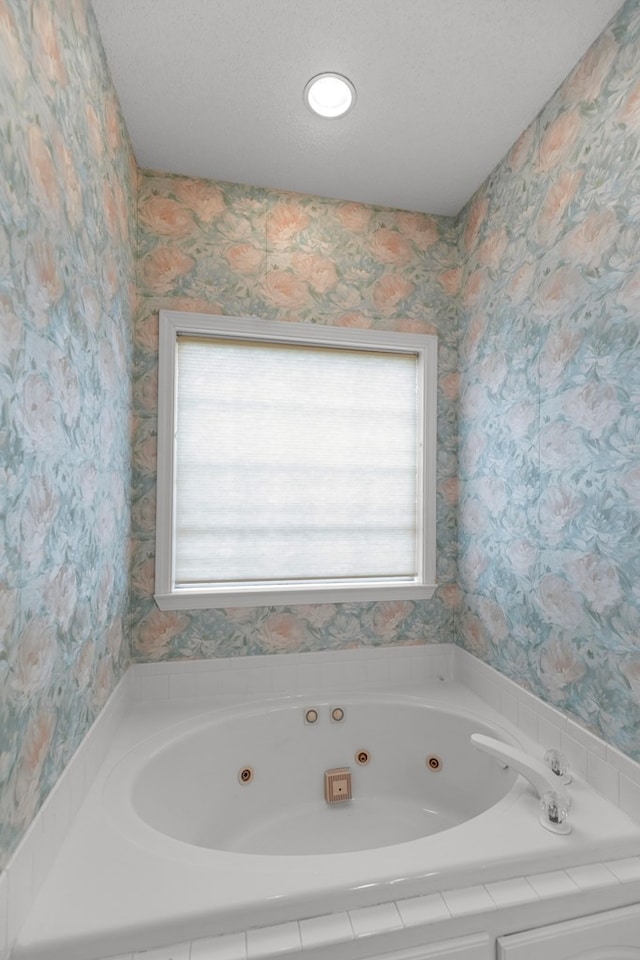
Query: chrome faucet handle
(558, 764)
(554, 812)
(539, 776)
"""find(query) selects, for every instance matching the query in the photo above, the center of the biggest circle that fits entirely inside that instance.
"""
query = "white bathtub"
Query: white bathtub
(170, 846)
(420, 776)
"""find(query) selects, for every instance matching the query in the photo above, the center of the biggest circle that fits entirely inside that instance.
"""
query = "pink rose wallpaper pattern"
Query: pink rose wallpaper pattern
(67, 216)
(243, 251)
(549, 519)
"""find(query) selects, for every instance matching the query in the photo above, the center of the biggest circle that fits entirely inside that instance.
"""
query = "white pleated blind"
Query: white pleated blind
(294, 463)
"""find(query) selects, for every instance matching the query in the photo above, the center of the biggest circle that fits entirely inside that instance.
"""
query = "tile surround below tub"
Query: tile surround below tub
(308, 936)
(326, 930)
(229, 947)
(368, 921)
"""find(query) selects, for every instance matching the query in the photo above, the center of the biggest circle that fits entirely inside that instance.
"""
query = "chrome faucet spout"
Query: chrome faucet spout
(539, 776)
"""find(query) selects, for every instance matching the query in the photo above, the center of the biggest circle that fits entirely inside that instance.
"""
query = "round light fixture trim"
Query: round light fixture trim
(330, 94)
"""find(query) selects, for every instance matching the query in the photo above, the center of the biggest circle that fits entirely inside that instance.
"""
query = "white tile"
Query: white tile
(318, 931)
(352, 675)
(182, 686)
(554, 884)
(508, 893)
(464, 666)
(377, 672)
(403, 651)
(232, 946)
(56, 815)
(95, 749)
(134, 684)
(164, 667)
(489, 690)
(576, 754)
(441, 667)
(587, 739)
(177, 951)
(337, 676)
(421, 669)
(468, 900)
(528, 720)
(214, 665)
(374, 653)
(624, 764)
(260, 680)
(155, 687)
(4, 915)
(60, 805)
(208, 684)
(363, 654)
(185, 666)
(625, 870)
(400, 672)
(603, 778)
(235, 681)
(316, 657)
(284, 678)
(46, 850)
(34, 847)
(549, 713)
(509, 706)
(630, 797)
(241, 662)
(367, 921)
(267, 941)
(20, 879)
(591, 876)
(419, 910)
(549, 735)
(309, 676)
(75, 773)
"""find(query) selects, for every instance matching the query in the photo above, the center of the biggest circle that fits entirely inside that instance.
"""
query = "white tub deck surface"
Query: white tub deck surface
(114, 890)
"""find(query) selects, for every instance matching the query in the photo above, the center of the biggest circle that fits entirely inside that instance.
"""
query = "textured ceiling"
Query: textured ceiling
(213, 88)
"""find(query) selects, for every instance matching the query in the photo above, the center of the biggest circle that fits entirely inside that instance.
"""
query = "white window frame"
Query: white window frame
(424, 347)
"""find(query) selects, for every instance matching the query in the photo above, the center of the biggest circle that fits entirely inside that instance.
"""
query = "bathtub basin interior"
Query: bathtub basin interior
(190, 786)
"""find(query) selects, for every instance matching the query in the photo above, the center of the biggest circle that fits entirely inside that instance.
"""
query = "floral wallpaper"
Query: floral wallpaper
(534, 293)
(66, 291)
(237, 250)
(550, 399)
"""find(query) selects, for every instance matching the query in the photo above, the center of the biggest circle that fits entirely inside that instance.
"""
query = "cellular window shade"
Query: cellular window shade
(294, 463)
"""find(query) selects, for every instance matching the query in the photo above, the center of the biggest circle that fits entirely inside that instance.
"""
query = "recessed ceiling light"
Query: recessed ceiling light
(330, 95)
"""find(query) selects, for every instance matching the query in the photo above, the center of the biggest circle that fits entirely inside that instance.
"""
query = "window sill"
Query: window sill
(214, 599)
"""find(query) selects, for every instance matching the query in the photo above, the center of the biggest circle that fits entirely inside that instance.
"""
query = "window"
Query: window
(296, 463)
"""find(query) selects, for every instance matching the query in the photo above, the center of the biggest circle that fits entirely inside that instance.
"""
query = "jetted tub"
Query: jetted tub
(252, 780)
(172, 844)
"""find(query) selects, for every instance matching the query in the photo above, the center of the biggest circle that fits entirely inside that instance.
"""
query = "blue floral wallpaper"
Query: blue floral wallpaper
(67, 188)
(534, 292)
(550, 399)
(236, 250)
